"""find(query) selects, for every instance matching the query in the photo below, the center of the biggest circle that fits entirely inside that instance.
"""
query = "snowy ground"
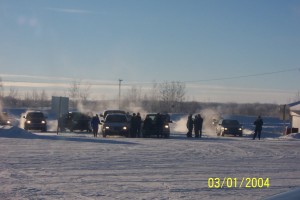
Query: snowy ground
(78, 166)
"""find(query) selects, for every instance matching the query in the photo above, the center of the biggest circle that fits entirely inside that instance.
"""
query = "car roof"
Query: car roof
(229, 121)
(34, 112)
(117, 114)
(156, 114)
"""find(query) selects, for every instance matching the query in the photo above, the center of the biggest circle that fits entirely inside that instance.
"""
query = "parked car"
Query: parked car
(166, 125)
(229, 127)
(4, 119)
(35, 120)
(115, 124)
(75, 121)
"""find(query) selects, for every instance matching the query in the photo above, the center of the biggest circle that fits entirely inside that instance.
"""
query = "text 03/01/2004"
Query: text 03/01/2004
(245, 182)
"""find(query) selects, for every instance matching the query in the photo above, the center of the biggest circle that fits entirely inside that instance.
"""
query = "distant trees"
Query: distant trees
(12, 99)
(171, 95)
(159, 97)
(78, 92)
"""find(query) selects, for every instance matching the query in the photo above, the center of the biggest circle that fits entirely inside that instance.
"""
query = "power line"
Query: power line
(218, 79)
(129, 83)
(244, 76)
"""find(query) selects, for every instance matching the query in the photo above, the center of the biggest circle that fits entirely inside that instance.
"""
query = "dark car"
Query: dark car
(115, 124)
(4, 119)
(35, 120)
(229, 127)
(152, 129)
(75, 121)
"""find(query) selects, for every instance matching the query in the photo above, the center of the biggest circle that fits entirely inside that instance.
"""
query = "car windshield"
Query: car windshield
(116, 118)
(165, 117)
(113, 112)
(35, 115)
(79, 116)
(230, 122)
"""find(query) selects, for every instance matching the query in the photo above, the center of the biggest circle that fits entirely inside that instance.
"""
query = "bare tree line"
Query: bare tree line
(161, 97)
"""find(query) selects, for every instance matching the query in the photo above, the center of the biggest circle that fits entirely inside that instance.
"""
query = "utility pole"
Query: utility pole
(284, 126)
(120, 80)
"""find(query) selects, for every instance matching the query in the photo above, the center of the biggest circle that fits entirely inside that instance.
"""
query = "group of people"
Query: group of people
(135, 125)
(154, 126)
(194, 124)
(149, 126)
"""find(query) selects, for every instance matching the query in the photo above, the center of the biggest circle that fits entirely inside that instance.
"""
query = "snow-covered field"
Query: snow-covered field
(78, 166)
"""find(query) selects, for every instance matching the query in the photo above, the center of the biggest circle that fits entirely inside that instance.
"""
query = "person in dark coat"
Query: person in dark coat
(95, 125)
(189, 125)
(200, 123)
(258, 127)
(147, 126)
(159, 123)
(138, 124)
(133, 125)
(196, 126)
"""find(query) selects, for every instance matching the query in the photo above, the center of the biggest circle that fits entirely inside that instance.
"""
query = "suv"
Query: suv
(75, 121)
(4, 119)
(115, 124)
(35, 120)
(166, 125)
(229, 126)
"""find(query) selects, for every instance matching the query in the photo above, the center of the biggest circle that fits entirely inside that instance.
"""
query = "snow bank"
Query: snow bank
(291, 136)
(15, 132)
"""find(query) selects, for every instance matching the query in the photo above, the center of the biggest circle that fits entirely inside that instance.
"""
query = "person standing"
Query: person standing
(159, 123)
(138, 124)
(147, 127)
(189, 125)
(133, 125)
(95, 125)
(200, 122)
(258, 127)
(196, 126)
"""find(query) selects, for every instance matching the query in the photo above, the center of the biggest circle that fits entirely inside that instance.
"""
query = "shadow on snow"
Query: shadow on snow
(15, 132)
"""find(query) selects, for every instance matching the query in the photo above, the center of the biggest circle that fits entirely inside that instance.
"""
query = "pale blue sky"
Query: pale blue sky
(162, 40)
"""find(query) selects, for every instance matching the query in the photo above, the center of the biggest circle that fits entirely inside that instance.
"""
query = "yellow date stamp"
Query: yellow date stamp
(233, 182)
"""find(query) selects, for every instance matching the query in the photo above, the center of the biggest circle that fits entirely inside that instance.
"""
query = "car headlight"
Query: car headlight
(8, 122)
(28, 122)
(124, 128)
(240, 129)
(106, 127)
(43, 122)
(166, 126)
